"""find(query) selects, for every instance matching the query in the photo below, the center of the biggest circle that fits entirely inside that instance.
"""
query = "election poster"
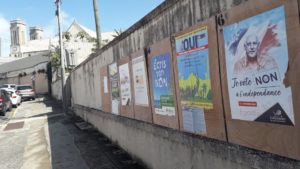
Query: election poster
(256, 54)
(114, 82)
(194, 120)
(125, 84)
(105, 81)
(193, 73)
(140, 81)
(162, 85)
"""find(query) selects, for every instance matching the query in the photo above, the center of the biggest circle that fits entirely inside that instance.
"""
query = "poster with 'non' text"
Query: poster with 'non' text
(162, 85)
(256, 59)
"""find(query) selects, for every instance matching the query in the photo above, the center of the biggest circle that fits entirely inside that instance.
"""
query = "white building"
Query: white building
(78, 42)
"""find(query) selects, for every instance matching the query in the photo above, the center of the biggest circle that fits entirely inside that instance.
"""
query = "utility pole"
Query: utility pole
(97, 22)
(58, 2)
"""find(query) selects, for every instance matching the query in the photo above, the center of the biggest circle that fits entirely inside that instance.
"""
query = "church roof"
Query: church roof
(105, 36)
(79, 28)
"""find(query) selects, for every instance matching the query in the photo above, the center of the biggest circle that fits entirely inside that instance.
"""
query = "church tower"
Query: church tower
(36, 33)
(18, 37)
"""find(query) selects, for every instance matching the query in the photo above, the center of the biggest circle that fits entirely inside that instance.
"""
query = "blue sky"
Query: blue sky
(114, 14)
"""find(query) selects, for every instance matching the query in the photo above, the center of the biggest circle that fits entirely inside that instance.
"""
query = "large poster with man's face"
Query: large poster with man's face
(256, 60)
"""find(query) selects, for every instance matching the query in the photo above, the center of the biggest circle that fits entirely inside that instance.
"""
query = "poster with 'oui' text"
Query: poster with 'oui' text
(192, 55)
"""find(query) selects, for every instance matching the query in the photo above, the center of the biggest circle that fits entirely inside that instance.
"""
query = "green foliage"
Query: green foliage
(67, 35)
(195, 88)
(81, 35)
(55, 58)
(117, 32)
(209, 95)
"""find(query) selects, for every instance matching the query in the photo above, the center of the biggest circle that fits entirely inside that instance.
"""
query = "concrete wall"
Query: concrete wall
(56, 90)
(159, 147)
(163, 148)
(86, 84)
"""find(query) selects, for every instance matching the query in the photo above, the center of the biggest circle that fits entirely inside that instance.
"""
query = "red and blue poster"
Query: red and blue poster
(256, 54)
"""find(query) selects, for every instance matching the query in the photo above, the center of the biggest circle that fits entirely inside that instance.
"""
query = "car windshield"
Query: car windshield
(12, 86)
(10, 93)
(24, 87)
(4, 86)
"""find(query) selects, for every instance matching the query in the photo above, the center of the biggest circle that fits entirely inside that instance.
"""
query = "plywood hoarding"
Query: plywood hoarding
(125, 78)
(142, 105)
(197, 80)
(105, 90)
(161, 81)
(260, 77)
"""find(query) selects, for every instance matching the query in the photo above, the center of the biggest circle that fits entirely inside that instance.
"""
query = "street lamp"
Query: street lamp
(57, 13)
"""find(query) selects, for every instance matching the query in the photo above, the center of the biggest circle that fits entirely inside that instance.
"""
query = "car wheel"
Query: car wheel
(10, 107)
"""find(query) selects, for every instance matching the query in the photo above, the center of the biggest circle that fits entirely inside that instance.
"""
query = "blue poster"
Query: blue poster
(162, 85)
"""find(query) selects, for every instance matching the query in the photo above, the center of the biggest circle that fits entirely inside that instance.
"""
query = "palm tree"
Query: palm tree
(81, 35)
(117, 32)
(67, 35)
(97, 22)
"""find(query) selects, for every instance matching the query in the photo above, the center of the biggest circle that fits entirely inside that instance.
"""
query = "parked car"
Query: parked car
(8, 86)
(25, 91)
(5, 103)
(14, 97)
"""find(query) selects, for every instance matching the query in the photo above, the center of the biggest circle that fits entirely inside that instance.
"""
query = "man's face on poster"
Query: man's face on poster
(251, 46)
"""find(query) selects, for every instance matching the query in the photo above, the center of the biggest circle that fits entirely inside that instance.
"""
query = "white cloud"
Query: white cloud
(51, 29)
(5, 36)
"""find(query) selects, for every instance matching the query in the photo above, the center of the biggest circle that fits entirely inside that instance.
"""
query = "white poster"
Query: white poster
(194, 120)
(140, 81)
(105, 84)
(125, 85)
(256, 60)
(114, 86)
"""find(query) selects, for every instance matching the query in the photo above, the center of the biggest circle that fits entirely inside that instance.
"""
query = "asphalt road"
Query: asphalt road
(37, 135)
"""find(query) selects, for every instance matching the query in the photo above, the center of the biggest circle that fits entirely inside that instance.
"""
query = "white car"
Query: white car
(8, 86)
(14, 97)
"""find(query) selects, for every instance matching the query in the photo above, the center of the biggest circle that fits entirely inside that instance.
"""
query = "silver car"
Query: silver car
(25, 91)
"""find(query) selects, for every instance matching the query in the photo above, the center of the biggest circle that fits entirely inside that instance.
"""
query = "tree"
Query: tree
(97, 22)
(67, 35)
(118, 32)
(81, 35)
(204, 90)
(55, 58)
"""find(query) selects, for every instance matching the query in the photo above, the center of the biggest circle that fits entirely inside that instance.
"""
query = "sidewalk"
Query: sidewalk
(41, 136)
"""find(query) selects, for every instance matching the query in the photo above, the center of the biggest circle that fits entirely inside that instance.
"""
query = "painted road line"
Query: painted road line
(14, 113)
